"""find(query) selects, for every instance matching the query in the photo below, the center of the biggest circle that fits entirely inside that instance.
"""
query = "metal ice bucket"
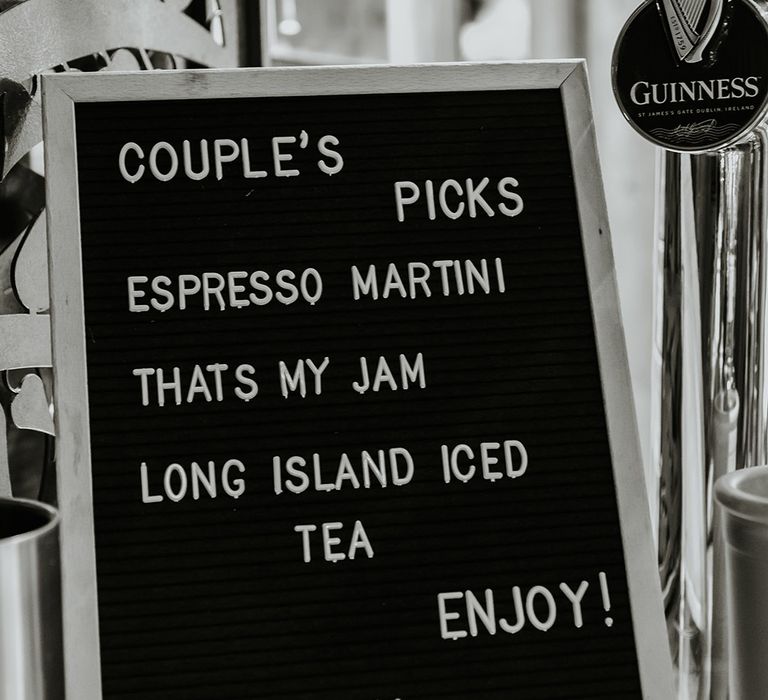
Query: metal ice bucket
(31, 665)
(743, 499)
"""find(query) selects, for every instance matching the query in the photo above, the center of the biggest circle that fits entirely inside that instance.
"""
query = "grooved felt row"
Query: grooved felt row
(211, 598)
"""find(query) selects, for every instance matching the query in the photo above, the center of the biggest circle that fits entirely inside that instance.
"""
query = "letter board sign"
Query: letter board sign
(342, 395)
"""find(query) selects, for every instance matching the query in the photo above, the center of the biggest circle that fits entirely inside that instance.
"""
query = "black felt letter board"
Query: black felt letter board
(211, 598)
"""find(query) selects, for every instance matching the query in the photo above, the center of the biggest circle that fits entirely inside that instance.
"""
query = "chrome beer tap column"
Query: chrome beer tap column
(703, 100)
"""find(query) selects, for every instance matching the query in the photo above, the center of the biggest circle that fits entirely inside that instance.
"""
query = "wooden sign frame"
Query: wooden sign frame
(62, 92)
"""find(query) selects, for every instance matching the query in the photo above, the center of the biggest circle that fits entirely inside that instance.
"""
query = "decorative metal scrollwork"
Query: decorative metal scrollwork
(59, 35)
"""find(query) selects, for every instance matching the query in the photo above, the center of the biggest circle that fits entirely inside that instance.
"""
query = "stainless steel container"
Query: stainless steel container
(31, 665)
(743, 500)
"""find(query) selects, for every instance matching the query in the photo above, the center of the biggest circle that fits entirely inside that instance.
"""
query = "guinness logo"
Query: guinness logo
(709, 89)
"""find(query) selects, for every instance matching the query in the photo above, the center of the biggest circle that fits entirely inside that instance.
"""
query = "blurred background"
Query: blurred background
(105, 35)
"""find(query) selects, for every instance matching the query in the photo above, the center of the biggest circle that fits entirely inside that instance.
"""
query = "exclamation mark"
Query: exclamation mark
(606, 598)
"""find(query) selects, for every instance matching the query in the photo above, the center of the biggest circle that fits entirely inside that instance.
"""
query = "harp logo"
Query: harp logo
(693, 25)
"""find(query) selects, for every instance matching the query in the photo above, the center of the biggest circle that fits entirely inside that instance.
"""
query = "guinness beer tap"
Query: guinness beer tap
(701, 95)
